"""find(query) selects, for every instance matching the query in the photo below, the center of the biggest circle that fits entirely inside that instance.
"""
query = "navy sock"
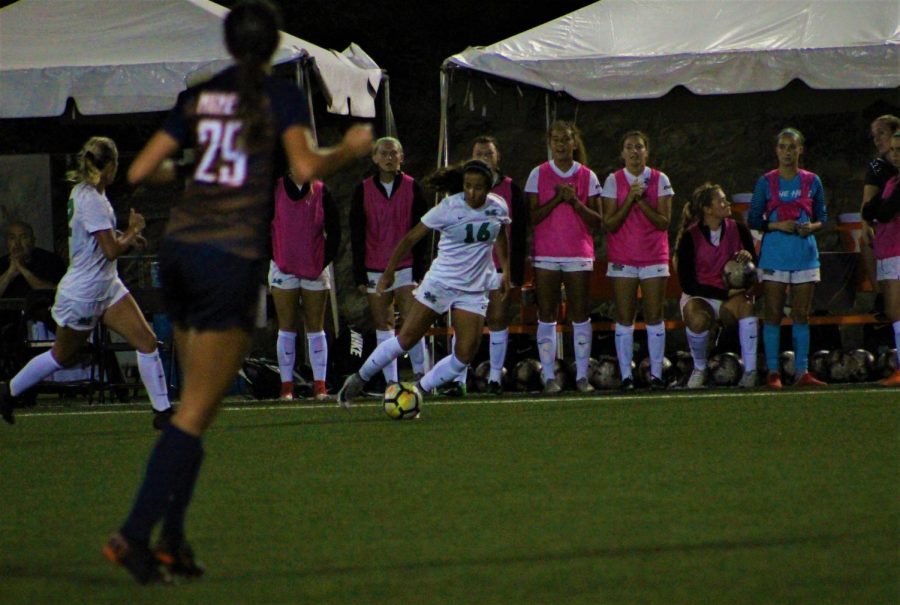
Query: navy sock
(173, 521)
(171, 464)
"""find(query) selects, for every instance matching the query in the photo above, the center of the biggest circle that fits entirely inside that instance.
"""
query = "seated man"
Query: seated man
(24, 269)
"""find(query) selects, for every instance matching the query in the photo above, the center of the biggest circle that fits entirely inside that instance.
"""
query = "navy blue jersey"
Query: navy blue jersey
(227, 201)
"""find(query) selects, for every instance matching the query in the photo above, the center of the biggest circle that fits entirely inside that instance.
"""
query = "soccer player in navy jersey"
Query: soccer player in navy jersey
(213, 260)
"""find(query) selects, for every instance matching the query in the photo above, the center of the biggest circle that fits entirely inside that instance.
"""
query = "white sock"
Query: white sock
(697, 344)
(318, 353)
(581, 334)
(390, 368)
(286, 350)
(499, 341)
(656, 344)
(625, 348)
(748, 329)
(154, 378)
(385, 354)
(418, 357)
(447, 369)
(546, 342)
(34, 371)
(896, 325)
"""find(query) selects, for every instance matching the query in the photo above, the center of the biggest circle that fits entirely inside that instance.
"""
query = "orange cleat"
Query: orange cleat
(891, 381)
(320, 391)
(808, 380)
(773, 380)
(287, 391)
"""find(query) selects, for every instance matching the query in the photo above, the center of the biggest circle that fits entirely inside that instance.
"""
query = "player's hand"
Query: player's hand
(358, 140)
(785, 226)
(565, 192)
(743, 256)
(804, 229)
(136, 222)
(636, 192)
(385, 282)
(140, 242)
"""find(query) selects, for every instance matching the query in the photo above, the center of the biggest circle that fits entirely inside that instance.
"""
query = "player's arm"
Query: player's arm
(152, 165)
(309, 162)
(114, 244)
(589, 212)
(412, 237)
(659, 216)
(538, 212)
(501, 245)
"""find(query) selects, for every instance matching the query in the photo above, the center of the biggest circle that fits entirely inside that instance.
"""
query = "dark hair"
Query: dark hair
(636, 133)
(480, 167)
(26, 227)
(251, 37)
(484, 139)
(449, 179)
(693, 209)
(580, 154)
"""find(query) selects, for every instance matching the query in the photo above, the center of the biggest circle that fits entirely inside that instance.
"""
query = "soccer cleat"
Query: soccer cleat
(583, 385)
(773, 380)
(287, 391)
(352, 389)
(178, 557)
(808, 380)
(657, 384)
(627, 384)
(891, 381)
(456, 389)
(493, 388)
(162, 419)
(136, 558)
(320, 391)
(748, 380)
(697, 379)
(7, 402)
(551, 387)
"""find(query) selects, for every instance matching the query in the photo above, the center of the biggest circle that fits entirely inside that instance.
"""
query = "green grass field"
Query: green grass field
(720, 497)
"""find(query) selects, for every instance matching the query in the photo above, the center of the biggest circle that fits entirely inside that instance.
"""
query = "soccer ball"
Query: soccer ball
(739, 275)
(862, 364)
(725, 369)
(527, 375)
(606, 374)
(402, 401)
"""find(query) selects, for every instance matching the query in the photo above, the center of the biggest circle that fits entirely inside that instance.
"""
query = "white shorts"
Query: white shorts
(495, 281)
(402, 277)
(84, 315)
(804, 276)
(286, 281)
(887, 268)
(648, 272)
(566, 266)
(441, 299)
(712, 302)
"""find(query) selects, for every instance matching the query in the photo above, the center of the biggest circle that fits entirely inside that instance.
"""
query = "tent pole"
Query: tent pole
(390, 126)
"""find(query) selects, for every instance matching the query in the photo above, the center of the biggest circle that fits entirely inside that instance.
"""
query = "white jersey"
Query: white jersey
(90, 276)
(464, 259)
(531, 185)
(610, 189)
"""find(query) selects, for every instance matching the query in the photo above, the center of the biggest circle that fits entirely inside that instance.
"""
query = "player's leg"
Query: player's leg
(625, 294)
(125, 318)
(382, 309)
(578, 304)
(891, 290)
(314, 303)
(774, 294)
(653, 292)
(285, 301)
(497, 320)
(546, 286)
(801, 303)
(418, 353)
(741, 310)
(467, 326)
(699, 317)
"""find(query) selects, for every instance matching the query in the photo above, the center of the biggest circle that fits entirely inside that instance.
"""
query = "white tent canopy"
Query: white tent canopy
(127, 56)
(633, 49)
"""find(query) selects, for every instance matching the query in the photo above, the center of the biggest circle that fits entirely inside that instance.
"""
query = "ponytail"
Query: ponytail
(94, 157)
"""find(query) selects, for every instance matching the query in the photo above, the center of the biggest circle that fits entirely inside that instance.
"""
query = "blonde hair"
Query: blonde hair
(382, 140)
(93, 158)
(692, 212)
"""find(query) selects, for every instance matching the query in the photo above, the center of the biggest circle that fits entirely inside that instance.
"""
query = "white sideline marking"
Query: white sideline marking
(602, 398)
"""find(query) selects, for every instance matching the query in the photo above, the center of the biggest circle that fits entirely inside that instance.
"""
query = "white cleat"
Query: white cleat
(352, 389)
(697, 379)
(551, 387)
(748, 380)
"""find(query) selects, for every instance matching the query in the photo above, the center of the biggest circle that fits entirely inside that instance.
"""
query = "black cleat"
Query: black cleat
(493, 388)
(627, 385)
(178, 557)
(136, 558)
(456, 389)
(7, 403)
(162, 419)
(657, 384)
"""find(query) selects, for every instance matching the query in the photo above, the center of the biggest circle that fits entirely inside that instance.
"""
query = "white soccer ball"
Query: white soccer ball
(402, 401)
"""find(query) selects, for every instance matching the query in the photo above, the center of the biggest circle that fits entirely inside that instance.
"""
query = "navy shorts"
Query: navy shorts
(208, 289)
